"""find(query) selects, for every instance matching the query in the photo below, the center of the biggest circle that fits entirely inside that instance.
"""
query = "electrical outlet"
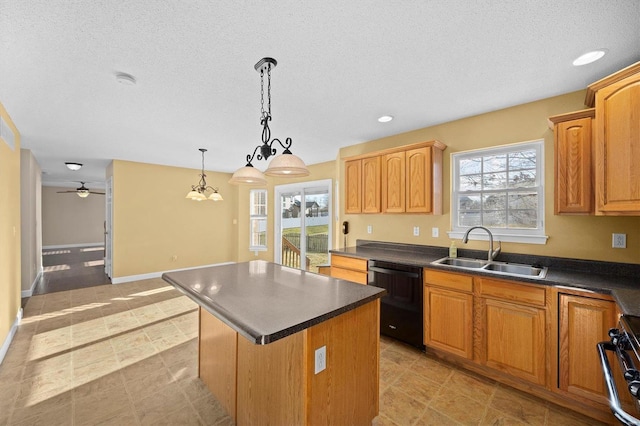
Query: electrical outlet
(174, 257)
(416, 231)
(321, 359)
(435, 232)
(619, 240)
(369, 229)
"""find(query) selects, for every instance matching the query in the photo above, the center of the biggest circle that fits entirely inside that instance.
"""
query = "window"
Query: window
(258, 220)
(502, 189)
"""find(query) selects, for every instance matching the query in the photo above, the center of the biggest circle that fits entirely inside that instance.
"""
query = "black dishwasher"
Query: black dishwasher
(401, 308)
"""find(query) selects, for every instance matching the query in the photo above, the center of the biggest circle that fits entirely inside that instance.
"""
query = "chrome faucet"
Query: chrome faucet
(492, 253)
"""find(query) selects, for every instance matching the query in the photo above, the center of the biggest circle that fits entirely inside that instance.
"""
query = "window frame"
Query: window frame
(518, 235)
(261, 217)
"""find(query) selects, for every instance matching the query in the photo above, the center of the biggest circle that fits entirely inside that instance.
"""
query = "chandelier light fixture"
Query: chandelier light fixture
(73, 166)
(198, 192)
(285, 165)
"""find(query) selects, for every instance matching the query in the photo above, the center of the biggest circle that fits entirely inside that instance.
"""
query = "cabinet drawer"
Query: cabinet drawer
(349, 263)
(508, 290)
(448, 280)
(349, 275)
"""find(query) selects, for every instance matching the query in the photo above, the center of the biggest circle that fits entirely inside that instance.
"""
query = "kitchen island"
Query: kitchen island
(267, 331)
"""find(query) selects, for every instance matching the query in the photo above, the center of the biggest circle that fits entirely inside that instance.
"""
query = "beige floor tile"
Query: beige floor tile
(131, 339)
(100, 406)
(209, 410)
(458, 407)
(51, 416)
(184, 370)
(181, 352)
(519, 405)
(43, 386)
(33, 410)
(136, 354)
(58, 364)
(194, 388)
(559, 416)
(159, 405)
(382, 420)
(100, 384)
(432, 417)
(472, 386)
(389, 372)
(125, 418)
(90, 353)
(417, 387)
(140, 369)
(400, 407)
(184, 416)
(148, 384)
(497, 418)
(96, 370)
(161, 329)
(432, 369)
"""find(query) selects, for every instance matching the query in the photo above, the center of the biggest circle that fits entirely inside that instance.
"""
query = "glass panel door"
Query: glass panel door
(303, 225)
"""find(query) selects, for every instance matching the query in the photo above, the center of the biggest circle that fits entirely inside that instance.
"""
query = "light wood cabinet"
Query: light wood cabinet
(583, 322)
(573, 137)
(353, 186)
(448, 320)
(512, 322)
(371, 185)
(349, 268)
(406, 179)
(393, 182)
(618, 147)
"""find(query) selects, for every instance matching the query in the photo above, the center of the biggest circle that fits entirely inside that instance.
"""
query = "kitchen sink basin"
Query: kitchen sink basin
(461, 262)
(493, 267)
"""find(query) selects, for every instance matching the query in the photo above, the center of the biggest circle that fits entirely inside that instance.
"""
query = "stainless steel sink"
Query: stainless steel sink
(516, 269)
(461, 262)
(498, 268)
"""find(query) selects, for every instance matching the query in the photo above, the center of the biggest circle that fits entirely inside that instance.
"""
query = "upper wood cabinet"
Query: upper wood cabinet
(353, 186)
(393, 182)
(618, 147)
(573, 162)
(371, 185)
(406, 179)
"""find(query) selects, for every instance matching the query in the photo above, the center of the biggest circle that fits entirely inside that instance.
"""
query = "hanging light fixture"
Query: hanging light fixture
(198, 192)
(286, 164)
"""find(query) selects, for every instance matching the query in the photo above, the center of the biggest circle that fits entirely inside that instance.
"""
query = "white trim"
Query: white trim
(72, 245)
(12, 332)
(29, 293)
(129, 278)
(510, 238)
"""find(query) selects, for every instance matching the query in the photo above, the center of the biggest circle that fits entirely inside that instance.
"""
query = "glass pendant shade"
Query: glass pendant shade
(83, 194)
(248, 175)
(287, 165)
(215, 196)
(192, 195)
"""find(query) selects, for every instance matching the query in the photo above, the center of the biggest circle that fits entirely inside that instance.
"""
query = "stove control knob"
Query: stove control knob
(632, 375)
(634, 388)
(614, 332)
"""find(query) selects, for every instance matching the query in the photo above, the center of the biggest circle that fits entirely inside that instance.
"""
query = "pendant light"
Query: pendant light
(284, 165)
(198, 192)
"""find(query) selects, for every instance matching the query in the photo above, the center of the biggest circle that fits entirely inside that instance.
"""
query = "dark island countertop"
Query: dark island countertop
(620, 280)
(265, 301)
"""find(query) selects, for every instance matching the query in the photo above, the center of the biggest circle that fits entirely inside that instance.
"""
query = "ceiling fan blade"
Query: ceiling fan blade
(67, 192)
(98, 193)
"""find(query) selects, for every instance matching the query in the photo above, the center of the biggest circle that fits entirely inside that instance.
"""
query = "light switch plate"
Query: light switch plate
(435, 232)
(619, 240)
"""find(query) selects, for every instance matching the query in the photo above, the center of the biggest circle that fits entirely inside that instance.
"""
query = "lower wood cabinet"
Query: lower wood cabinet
(349, 268)
(448, 312)
(583, 322)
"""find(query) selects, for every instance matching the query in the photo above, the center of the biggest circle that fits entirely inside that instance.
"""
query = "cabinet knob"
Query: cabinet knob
(632, 375)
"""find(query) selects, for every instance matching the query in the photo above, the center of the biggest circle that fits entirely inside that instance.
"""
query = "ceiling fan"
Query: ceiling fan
(83, 191)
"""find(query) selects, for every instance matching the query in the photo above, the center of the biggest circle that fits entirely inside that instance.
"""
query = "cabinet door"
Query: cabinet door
(584, 322)
(574, 194)
(371, 185)
(448, 321)
(393, 182)
(353, 186)
(618, 148)
(419, 182)
(515, 339)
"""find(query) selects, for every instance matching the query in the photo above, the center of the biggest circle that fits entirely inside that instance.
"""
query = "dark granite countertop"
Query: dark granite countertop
(620, 280)
(265, 301)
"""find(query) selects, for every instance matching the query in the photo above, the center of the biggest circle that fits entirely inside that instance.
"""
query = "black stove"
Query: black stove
(625, 343)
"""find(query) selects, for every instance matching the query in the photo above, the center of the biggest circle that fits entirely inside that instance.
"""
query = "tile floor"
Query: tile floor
(127, 355)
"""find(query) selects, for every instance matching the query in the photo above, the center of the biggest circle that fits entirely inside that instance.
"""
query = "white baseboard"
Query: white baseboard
(29, 293)
(129, 278)
(12, 332)
(62, 246)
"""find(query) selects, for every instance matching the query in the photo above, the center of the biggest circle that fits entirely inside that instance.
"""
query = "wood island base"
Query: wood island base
(276, 383)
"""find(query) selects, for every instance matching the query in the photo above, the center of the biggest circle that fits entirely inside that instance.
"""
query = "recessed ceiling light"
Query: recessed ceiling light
(385, 119)
(73, 166)
(589, 57)
(126, 79)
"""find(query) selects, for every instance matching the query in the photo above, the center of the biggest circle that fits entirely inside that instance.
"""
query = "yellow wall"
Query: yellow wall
(153, 221)
(9, 230)
(318, 171)
(30, 219)
(581, 237)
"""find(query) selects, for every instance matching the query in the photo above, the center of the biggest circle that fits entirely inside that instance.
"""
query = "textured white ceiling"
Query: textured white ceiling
(341, 64)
